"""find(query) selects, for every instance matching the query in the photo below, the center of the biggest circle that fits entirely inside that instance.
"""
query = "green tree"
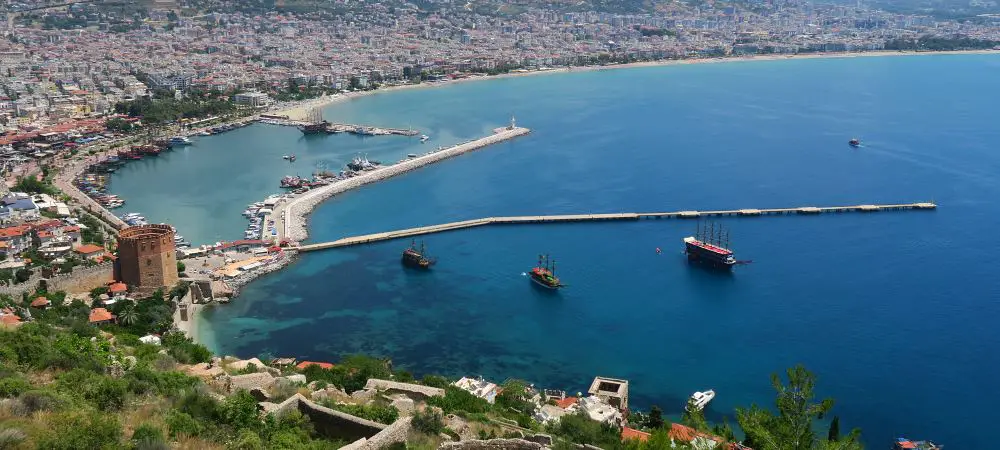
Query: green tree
(834, 434)
(655, 418)
(792, 428)
(428, 422)
(128, 316)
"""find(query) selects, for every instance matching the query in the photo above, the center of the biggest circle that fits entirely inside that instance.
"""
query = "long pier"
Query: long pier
(333, 128)
(512, 220)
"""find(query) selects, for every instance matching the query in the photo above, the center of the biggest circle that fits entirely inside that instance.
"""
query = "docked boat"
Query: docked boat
(709, 247)
(411, 155)
(413, 257)
(699, 400)
(854, 142)
(314, 123)
(291, 182)
(544, 274)
(362, 163)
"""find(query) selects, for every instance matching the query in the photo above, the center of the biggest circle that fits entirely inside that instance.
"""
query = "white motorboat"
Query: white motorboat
(699, 400)
(423, 138)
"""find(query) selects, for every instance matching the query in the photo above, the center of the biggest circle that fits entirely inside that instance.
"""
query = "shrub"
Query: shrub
(82, 431)
(248, 440)
(108, 394)
(39, 400)
(182, 424)
(456, 399)
(377, 413)
(11, 438)
(147, 437)
(13, 386)
(428, 422)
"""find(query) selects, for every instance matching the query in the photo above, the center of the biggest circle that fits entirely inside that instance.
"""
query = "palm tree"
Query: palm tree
(128, 316)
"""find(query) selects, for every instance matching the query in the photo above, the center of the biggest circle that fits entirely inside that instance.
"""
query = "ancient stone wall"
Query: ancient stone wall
(329, 423)
(81, 279)
(392, 434)
(491, 444)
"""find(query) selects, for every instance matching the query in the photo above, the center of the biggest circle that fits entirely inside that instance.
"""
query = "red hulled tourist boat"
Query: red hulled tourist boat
(544, 274)
(708, 247)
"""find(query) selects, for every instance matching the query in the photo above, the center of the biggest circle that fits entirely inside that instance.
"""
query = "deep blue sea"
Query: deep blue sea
(896, 312)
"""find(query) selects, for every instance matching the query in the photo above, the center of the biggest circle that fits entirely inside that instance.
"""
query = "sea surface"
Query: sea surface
(896, 312)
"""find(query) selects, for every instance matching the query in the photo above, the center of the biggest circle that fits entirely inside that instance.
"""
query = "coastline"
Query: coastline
(299, 110)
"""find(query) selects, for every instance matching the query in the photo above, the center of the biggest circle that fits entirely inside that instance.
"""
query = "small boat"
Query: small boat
(180, 140)
(699, 400)
(544, 274)
(854, 142)
(411, 155)
(292, 158)
(423, 138)
(286, 157)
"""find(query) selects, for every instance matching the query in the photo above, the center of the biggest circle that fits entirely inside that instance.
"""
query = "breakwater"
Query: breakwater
(513, 220)
(291, 218)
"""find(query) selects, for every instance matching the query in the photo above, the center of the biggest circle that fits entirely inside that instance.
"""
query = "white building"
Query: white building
(599, 410)
(253, 99)
(478, 387)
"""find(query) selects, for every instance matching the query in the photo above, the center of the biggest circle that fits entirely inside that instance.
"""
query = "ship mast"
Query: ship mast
(711, 233)
(552, 271)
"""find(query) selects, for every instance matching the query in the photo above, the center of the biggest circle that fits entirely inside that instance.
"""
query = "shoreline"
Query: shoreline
(299, 110)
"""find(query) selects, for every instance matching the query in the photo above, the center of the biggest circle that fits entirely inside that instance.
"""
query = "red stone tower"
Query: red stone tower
(146, 257)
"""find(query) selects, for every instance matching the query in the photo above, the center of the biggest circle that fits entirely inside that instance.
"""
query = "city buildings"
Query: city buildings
(50, 76)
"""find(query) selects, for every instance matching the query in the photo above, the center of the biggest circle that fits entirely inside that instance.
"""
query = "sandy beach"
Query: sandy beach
(299, 111)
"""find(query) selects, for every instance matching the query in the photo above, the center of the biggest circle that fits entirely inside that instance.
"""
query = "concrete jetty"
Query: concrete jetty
(290, 217)
(410, 232)
(333, 128)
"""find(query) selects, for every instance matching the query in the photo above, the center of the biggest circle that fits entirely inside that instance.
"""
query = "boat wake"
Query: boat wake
(524, 274)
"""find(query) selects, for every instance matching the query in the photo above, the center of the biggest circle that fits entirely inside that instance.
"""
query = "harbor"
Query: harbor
(570, 218)
(290, 216)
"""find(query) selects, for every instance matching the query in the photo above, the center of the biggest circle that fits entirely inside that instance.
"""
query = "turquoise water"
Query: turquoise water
(895, 312)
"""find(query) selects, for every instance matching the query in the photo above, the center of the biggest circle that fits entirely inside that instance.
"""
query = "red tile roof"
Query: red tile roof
(71, 229)
(17, 231)
(566, 402)
(46, 224)
(118, 287)
(687, 434)
(323, 365)
(89, 249)
(40, 302)
(100, 315)
(44, 234)
(630, 433)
